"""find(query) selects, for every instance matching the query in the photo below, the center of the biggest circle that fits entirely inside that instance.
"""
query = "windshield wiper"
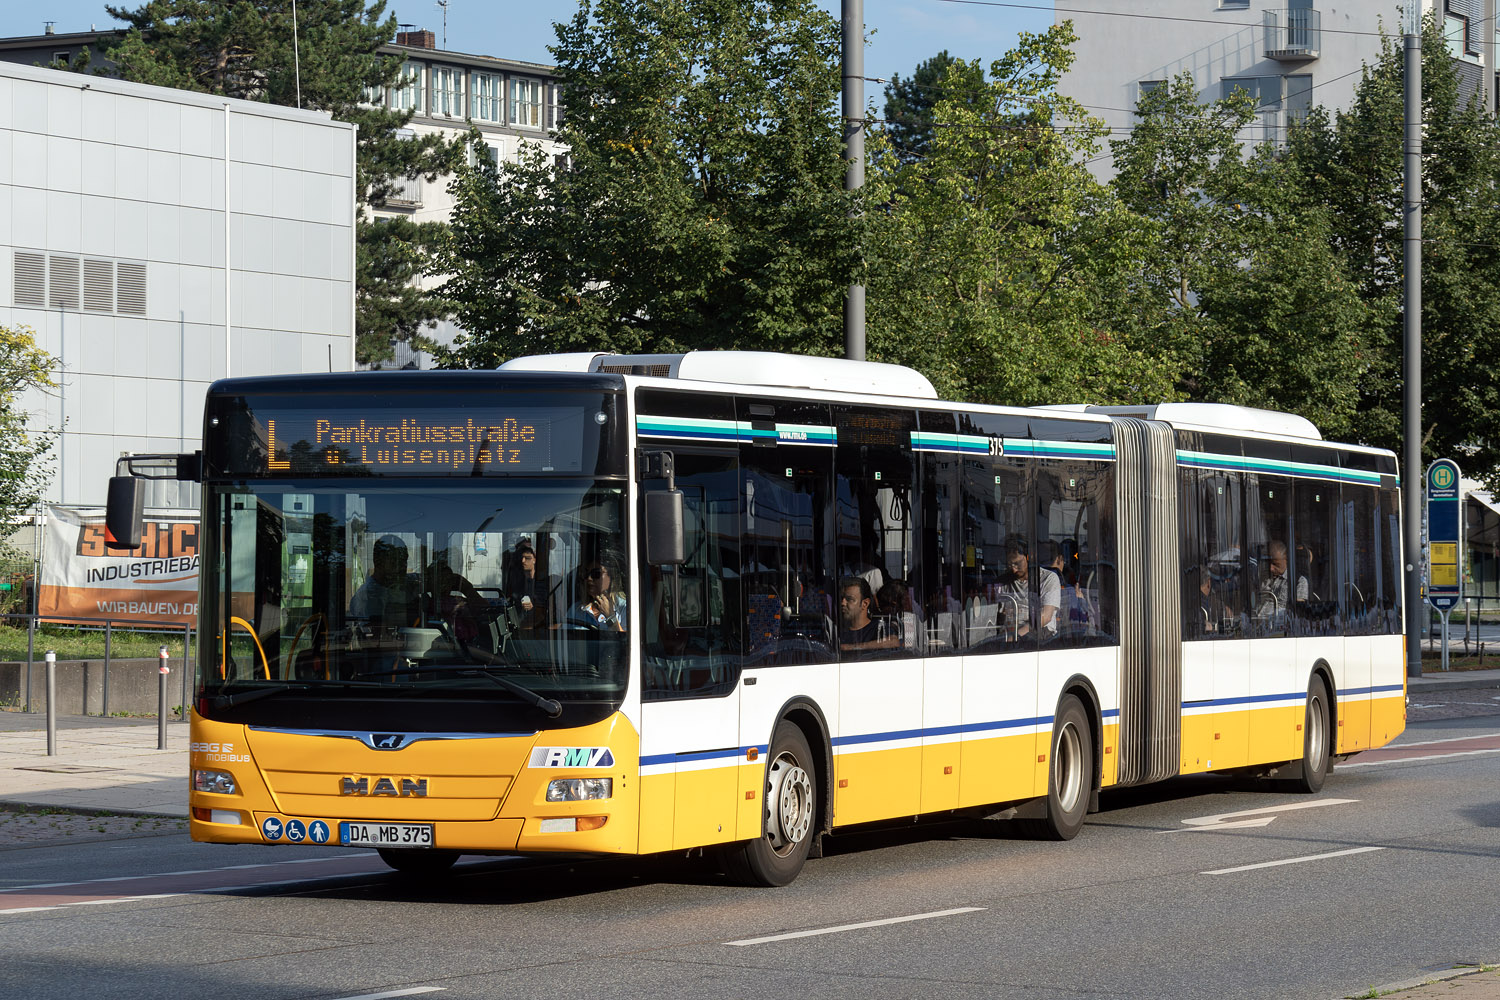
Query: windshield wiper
(551, 706)
(255, 694)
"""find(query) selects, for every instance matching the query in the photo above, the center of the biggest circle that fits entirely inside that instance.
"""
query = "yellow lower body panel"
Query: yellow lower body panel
(1353, 727)
(1000, 769)
(1387, 719)
(1109, 754)
(876, 785)
(1214, 742)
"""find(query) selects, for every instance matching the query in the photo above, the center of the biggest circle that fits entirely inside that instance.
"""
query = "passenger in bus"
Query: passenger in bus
(1016, 594)
(528, 593)
(389, 597)
(1212, 617)
(1271, 604)
(602, 607)
(857, 630)
(900, 617)
(450, 599)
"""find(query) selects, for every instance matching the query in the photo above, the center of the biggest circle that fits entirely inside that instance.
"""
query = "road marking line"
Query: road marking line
(397, 993)
(1433, 743)
(1414, 760)
(1293, 861)
(1263, 816)
(190, 871)
(855, 927)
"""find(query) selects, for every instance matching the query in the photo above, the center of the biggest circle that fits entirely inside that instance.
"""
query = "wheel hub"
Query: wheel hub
(788, 804)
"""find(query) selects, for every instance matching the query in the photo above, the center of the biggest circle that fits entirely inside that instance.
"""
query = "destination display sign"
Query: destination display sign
(381, 441)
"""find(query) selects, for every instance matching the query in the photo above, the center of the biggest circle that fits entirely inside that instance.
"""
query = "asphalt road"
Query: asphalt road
(1201, 887)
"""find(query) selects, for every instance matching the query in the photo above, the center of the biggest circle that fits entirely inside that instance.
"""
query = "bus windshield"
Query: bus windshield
(422, 605)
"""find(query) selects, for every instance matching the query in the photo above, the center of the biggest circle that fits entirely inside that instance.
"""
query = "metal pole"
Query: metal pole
(187, 646)
(108, 636)
(1411, 481)
(854, 156)
(161, 701)
(30, 654)
(51, 703)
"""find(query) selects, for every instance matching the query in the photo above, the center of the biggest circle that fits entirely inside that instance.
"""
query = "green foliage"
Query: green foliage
(989, 255)
(23, 454)
(700, 206)
(245, 49)
(909, 103)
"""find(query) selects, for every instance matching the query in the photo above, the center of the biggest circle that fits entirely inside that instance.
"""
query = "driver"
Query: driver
(602, 606)
(389, 596)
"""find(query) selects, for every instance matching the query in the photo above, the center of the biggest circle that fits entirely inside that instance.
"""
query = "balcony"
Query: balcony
(1294, 35)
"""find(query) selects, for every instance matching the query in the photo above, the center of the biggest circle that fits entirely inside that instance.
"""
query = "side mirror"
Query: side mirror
(666, 536)
(126, 511)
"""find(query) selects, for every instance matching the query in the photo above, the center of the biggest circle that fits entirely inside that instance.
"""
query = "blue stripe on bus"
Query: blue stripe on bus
(1293, 696)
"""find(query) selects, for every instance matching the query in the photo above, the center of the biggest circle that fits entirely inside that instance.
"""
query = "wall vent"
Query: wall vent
(99, 285)
(62, 283)
(30, 279)
(131, 288)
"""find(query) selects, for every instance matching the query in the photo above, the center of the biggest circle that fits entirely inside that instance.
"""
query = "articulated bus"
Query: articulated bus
(603, 604)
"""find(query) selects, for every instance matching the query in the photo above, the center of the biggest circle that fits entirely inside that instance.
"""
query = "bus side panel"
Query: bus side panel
(942, 714)
(765, 693)
(1101, 666)
(689, 761)
(878, 752)
(1388, 678)
(1353, 727)
(1001, 729)
(1279, 683)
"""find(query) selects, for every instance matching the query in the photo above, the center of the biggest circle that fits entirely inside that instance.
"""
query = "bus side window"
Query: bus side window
(693, 648)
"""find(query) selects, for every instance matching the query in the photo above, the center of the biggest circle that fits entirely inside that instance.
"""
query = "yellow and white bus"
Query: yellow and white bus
(629, 605)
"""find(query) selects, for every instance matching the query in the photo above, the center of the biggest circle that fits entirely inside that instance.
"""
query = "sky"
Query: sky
(906, 31)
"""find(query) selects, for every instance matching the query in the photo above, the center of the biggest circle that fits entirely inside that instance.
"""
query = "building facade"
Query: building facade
(1290, 55)
(155, 240)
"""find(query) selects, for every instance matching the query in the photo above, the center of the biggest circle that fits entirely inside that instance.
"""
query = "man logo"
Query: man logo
(414, 787)
(572, 757)
(386, 741)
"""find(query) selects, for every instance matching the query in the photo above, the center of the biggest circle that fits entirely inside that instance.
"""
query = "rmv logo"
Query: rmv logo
(572, 757)
(384, 786)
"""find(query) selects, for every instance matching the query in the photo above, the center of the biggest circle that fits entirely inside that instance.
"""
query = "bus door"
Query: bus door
(692, 640)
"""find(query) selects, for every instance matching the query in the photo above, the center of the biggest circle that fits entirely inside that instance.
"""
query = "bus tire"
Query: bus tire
(1316, 763)
(1070, 775)
(791, 812)
(427, 863)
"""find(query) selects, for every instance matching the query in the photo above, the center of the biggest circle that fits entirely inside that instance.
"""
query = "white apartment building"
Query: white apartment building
(1289, 54)
(512, 103)
(156, 240)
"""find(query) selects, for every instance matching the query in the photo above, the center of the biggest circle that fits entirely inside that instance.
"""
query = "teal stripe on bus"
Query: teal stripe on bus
(696, 429)
(1302, 470)
(963, 444)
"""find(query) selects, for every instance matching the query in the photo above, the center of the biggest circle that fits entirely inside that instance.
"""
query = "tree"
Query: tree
(23, 454)
(1352, 162)
(909, 103)
(988, 254)
(1241, 285)
(700, 205)
(244, 49)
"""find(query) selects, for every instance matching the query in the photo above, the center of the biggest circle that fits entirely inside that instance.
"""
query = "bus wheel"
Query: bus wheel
(1070, 775)
(791, 796)
(412, 862)
(1315, 759)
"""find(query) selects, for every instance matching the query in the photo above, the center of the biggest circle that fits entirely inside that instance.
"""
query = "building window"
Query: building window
(1147, 87)
(489, 97)
(407, 94)
(525, 102)
(554, 106)
(1234, 4)
(1298, 97)
(1265, 90)
(373, 97)
(447, 92)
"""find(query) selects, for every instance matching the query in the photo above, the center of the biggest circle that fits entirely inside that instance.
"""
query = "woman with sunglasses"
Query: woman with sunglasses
(602, 607)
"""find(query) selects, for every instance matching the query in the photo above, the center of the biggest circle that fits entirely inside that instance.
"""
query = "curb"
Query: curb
(1441, 976)
(1422, 684)
(23, 805)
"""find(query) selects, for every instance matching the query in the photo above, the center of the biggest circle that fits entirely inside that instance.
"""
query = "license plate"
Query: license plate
(385, 834)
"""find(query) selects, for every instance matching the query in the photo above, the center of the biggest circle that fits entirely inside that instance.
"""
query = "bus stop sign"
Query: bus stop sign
(1444, 544)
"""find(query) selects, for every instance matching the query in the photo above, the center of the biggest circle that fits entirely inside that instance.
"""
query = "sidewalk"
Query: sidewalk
(107, 764)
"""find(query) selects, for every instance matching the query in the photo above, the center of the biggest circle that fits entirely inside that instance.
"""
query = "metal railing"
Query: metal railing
(1294, 33)
(107, 626)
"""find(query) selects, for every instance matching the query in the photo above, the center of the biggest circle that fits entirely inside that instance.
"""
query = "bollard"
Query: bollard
(187, 649)
(161, 702)
(108, 634)
(51, 703)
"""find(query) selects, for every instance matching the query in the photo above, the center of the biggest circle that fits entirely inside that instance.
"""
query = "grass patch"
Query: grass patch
(78, 643)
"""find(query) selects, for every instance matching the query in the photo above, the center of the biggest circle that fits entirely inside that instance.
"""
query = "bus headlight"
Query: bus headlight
(220, 782)
(579, 789)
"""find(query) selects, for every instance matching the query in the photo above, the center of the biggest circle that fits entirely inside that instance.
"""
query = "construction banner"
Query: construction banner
(81, 578)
